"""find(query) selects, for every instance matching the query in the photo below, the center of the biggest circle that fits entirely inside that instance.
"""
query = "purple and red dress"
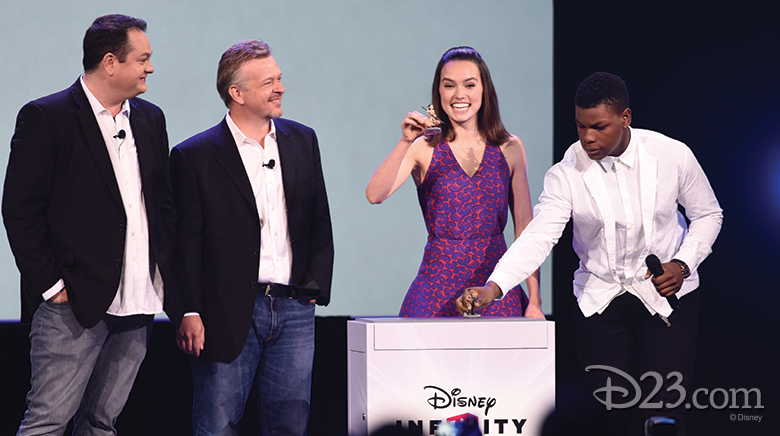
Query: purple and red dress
(465, 218)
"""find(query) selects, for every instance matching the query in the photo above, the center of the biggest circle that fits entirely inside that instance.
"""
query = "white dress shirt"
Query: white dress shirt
(137, 294)
(267, 186)
(622, 209)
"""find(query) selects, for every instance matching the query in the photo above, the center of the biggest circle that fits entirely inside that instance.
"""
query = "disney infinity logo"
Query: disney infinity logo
(442, 399)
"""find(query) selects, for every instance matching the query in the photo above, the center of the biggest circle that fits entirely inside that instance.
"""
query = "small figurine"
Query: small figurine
(434, 129)
(471, 298)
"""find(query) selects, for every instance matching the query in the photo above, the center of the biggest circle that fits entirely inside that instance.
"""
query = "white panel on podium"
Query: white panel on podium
(417, 372)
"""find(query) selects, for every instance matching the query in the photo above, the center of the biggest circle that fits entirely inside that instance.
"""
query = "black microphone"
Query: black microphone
(121, 134)
(654, 265)
(270, 165)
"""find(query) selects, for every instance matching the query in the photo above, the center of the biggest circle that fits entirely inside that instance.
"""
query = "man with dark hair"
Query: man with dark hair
(254, 249)
(89, 216)
(602, 88)
(621, 188)
(108, 34)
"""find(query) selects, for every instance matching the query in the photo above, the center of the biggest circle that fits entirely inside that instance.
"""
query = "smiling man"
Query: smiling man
(89, 215)
(254, 250)
(621, 188)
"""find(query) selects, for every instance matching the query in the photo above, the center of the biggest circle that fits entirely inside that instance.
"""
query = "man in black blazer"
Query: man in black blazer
(89, 216)
(254, 249)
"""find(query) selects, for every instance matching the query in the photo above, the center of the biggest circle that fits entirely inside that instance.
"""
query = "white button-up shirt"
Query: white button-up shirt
(622, 210)
(275, 248)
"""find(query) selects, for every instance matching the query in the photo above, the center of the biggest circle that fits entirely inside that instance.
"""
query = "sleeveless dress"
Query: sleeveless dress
(465, 218)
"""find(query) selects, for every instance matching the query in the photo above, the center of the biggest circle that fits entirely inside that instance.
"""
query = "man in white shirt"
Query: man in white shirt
(254, 251)
(621, 188)
(89, 215)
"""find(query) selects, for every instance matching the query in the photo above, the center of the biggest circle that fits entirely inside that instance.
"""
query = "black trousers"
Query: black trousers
(627, 338)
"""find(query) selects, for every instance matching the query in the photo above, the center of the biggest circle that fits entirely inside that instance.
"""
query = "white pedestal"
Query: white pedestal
(417, 372)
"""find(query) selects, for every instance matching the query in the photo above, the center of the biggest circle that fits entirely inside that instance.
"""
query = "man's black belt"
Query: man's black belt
(276, 290)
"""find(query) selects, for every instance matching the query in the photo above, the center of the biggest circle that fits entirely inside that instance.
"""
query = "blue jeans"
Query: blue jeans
(276, 361)
(86, 372)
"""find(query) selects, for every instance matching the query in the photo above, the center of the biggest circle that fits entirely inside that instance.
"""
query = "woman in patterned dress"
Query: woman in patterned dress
(467, 177)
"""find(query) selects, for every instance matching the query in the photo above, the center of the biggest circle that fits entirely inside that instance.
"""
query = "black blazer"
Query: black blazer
(61, 204)
(218, 229)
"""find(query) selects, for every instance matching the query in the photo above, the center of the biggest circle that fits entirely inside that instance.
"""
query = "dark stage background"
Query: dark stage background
(703, 73)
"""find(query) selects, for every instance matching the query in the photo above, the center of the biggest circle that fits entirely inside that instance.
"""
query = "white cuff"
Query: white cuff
(60, 285)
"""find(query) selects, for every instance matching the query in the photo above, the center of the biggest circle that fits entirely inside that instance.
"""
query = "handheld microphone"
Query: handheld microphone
(121, 134)
(270, 165)
(654, 265)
